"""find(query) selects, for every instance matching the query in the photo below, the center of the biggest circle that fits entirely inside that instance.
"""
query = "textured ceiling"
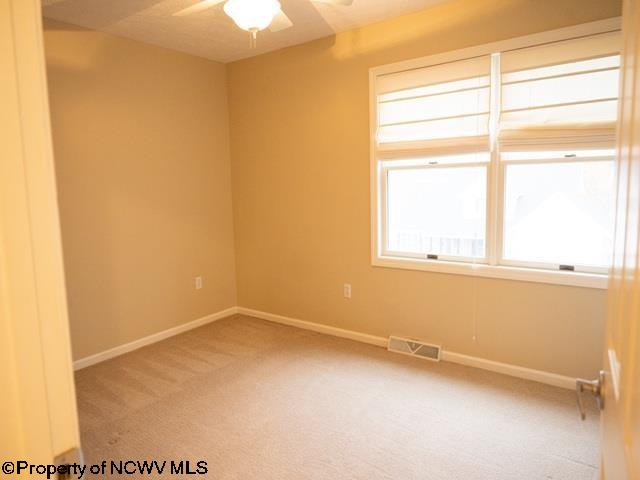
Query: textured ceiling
(211, 33)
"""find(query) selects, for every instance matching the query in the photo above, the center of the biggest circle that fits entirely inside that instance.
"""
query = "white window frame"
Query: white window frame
(491, 266)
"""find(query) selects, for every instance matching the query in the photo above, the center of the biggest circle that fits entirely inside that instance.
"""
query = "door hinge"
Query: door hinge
(72, 456)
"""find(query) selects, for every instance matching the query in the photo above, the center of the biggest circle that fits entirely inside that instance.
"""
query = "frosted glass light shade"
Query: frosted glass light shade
(252, 15)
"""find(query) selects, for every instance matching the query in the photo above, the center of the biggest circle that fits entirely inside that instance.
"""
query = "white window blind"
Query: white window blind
(565, 89)
(433, 107)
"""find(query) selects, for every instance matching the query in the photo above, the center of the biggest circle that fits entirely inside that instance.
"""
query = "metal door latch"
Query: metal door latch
(596, 389)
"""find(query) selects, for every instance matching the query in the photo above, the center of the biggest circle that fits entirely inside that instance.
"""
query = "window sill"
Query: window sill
(574, 279)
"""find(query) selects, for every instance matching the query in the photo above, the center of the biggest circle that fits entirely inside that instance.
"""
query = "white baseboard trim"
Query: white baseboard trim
(316, 327)
(153, 338)
(512, 370)
(447, 356)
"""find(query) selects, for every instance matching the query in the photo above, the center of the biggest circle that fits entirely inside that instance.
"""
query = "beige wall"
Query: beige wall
(300, 169)
(141, 150)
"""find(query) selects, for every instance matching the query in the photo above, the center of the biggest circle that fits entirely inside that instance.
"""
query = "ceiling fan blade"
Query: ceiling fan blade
(198, 7)
(345, 3)
(280, 22)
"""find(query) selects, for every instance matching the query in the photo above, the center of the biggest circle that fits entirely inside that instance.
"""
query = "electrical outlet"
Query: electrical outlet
(347, 290)
(198, 283)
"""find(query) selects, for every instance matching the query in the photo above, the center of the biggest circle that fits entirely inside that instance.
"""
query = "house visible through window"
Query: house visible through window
(504, 159)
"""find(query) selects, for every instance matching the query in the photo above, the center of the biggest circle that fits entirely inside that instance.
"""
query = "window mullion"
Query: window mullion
(494, 207)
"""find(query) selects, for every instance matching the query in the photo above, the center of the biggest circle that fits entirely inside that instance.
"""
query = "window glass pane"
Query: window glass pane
(559, 213)
(437, 210)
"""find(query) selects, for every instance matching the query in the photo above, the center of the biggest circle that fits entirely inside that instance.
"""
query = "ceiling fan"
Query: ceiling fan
(253, 15)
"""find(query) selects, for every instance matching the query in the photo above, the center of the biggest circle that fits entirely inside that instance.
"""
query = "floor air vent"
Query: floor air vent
(414, 348)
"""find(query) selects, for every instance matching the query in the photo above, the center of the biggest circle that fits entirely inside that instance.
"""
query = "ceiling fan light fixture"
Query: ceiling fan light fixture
(252, 15)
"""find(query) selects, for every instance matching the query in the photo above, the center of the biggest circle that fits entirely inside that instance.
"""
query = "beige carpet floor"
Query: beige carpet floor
(257, 400)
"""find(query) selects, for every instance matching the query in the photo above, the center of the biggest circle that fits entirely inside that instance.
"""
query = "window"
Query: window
(501, 163)
(559, 213)
(437, 209)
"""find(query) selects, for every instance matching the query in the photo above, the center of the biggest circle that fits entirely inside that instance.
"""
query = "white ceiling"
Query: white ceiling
(211, 33)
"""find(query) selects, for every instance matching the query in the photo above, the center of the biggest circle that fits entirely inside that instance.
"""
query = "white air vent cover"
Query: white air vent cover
(414, 348)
